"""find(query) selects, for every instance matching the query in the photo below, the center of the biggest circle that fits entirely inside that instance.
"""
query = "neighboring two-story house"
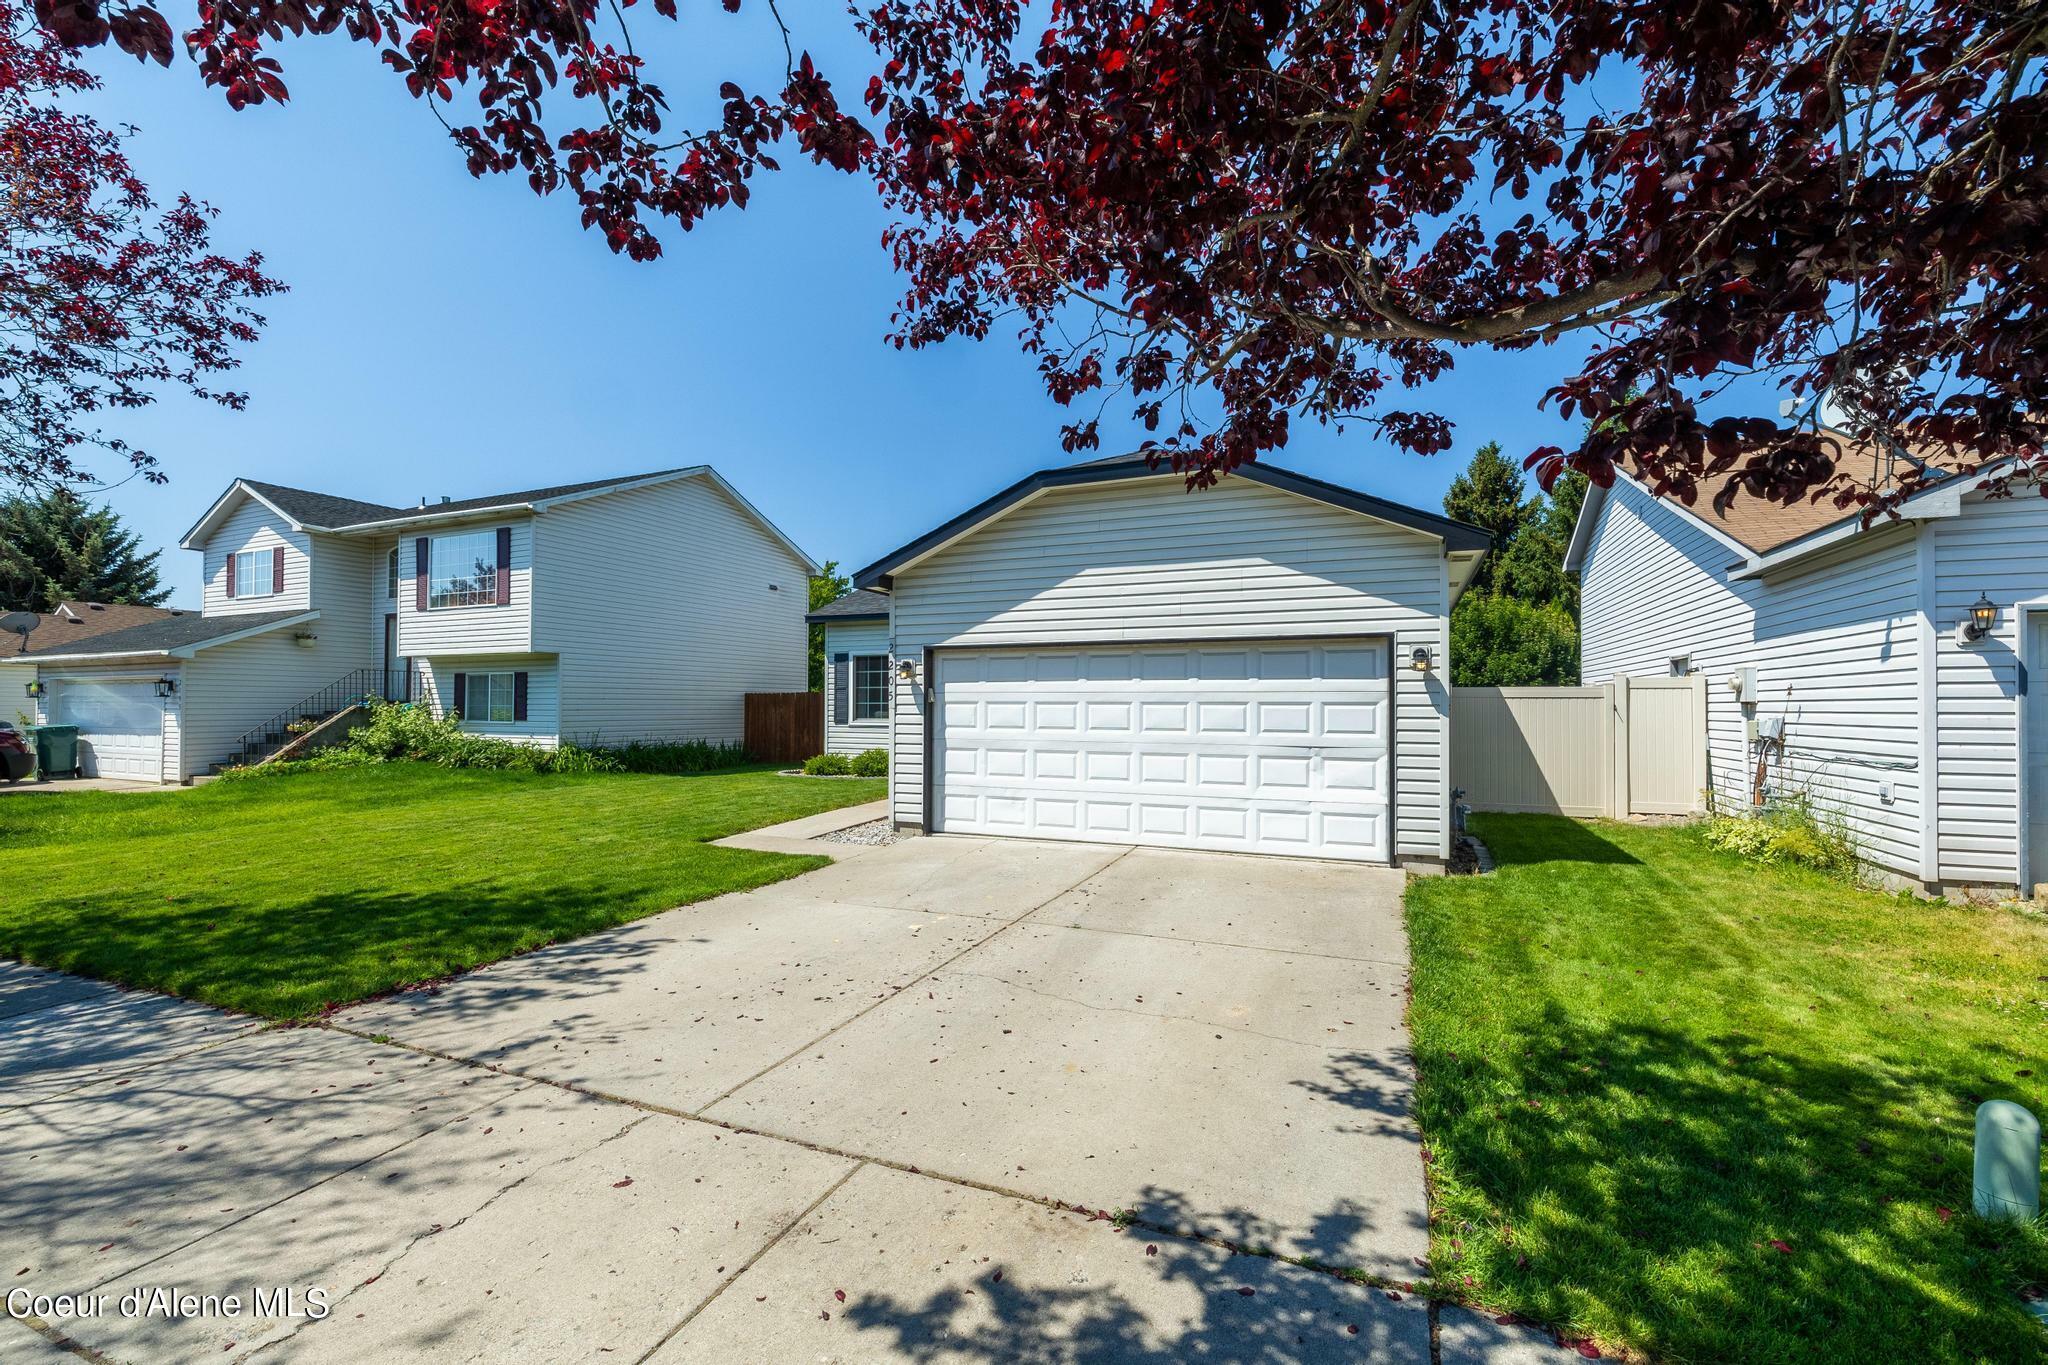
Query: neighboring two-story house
(633, 608)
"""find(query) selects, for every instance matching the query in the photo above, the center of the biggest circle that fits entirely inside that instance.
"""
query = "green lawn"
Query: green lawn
(1710, 1112)
(285, 895)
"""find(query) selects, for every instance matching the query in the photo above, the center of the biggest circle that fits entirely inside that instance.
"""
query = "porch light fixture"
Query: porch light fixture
(35, 689)
(1983, 618)
(167, 687)
(1419, 660)
(906, 669)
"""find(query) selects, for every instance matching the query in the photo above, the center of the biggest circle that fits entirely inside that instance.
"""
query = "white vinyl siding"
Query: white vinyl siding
(15, 702)
(230, 689)
(714, 609)
(1836, 646)
(853, 640)
(543, 695)
(1145, 560)
(1997, 548)
(254, 528)
(481, 629)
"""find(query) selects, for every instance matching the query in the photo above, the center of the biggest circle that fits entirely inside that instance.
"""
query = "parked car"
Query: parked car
(16, 759)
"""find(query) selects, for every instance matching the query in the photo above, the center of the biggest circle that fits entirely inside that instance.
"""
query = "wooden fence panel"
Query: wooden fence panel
(1635, 746)
(784, 727)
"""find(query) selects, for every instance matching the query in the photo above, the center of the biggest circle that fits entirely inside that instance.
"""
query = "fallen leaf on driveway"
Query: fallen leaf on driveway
(621, 1184)
(1246, 1291)
(839, 1294)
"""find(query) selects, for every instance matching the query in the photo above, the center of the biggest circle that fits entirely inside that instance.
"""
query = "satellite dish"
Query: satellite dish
(20, 623)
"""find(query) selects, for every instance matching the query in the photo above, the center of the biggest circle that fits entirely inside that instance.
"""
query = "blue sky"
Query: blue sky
(446, 335)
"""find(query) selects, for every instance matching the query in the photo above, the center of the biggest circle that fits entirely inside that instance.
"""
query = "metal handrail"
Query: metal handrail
(361, 685)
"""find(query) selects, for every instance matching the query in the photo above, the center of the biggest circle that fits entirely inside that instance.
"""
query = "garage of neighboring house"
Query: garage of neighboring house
(127, 726)
(1098, 653)
(160, 701)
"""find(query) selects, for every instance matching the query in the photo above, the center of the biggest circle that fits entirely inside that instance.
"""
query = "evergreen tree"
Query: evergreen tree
(829, 586)
(1492, 495)
(1497, 641)
(55, 547)
(1532, 567)
(1517, 625)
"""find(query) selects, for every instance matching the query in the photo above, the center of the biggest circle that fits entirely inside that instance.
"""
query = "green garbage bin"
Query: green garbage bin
(56, 750)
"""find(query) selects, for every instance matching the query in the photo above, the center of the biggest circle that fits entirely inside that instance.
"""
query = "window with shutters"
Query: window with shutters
(462, 571)
(490, 698)
(870, 686)
(255, 573)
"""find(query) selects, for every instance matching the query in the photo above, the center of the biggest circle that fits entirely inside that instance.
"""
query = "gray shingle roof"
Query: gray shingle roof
(334, 514)
(173, 632)
(322, 509)
(855, 606)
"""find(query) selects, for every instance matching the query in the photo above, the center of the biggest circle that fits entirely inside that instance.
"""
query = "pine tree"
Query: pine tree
(1492, 495)
(1517, 624)
(56, 547)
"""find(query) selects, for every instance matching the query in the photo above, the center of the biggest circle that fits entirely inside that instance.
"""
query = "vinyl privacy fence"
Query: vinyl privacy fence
(1634, 746)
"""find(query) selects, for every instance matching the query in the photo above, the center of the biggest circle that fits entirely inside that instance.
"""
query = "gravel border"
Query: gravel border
(875, 834)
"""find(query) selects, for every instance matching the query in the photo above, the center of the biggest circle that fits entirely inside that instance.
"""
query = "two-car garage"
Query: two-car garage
(1275, 746)
(1099, 653)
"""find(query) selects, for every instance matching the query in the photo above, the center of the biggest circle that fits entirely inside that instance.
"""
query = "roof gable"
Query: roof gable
(1456, 535)
(309, 511)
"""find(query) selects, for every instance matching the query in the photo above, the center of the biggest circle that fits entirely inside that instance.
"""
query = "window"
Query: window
(488, 697)
(462, 571)
(255, 573)
(391, 574)
(870, 686)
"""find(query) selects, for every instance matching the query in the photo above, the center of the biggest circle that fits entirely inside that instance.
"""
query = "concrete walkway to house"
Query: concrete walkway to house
(950, 1099)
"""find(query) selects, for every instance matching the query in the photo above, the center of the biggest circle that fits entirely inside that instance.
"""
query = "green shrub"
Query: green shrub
(1788, 833)
(687, 756)
(828, 765)
(402, 732)
(870, 763)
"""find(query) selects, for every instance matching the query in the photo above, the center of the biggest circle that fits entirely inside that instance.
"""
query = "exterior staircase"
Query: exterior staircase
(320, 719)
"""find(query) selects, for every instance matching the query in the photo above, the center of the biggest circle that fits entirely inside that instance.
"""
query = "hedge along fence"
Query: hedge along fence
(399, 732)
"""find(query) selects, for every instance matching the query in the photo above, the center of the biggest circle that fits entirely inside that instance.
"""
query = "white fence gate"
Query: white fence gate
(1635, 746)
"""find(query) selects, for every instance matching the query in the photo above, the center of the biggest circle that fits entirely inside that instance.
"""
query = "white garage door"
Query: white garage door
(120, 727)
(1266, 747)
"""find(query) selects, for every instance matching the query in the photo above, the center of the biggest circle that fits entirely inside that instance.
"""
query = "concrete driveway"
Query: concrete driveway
(848, 1117)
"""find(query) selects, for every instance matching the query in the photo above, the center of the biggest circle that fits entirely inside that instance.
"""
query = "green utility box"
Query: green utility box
(56, 750)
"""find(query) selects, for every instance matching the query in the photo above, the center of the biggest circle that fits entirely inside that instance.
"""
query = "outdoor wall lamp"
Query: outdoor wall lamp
(1983, 618)
(167, 687)
(1419, 660)
(35, 689)
(906, 669)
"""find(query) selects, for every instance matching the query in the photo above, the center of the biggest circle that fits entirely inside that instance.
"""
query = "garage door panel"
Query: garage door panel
(1267, 747)
(120, 727)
